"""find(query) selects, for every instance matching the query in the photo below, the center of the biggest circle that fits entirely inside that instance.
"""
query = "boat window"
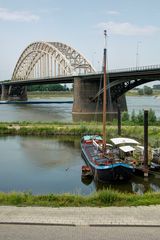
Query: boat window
(98, 138)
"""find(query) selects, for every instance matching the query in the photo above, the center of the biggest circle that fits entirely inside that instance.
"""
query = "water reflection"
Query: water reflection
(86, 180)
(47, 153)
(138, 188)
(41, 165)
(54, 165)
(137, 185)
(155, 187)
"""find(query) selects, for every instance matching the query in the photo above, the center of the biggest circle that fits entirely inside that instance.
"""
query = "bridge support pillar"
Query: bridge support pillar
(17, 93)
(4, 92)
(13, 93)
(84, 109)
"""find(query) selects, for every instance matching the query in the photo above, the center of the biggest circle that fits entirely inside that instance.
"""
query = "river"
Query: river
(44, 165)
(63, 112)
(41, 165)
(138, 103)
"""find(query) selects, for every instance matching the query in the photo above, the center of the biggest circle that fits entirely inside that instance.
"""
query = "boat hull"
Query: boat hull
(114, 172)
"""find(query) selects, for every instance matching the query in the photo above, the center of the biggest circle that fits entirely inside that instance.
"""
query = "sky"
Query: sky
(133, 28)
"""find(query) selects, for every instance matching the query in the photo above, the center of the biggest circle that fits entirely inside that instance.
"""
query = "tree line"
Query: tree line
(47, 87)
(147, 90)
(139, 117)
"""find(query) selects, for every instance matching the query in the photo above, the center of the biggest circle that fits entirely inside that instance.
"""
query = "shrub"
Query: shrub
(125, 116)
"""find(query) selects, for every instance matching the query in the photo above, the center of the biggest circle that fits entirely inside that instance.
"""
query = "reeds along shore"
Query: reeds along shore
(78, 129)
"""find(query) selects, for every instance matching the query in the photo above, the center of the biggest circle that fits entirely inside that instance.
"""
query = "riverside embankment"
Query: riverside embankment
(77, 129)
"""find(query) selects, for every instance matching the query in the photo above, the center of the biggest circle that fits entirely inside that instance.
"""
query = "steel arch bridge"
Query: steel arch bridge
(50, 59)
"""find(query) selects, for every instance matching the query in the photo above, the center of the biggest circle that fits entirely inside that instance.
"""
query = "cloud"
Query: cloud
(128, 29)
(7, 15)
(49, 10)
(112, 12)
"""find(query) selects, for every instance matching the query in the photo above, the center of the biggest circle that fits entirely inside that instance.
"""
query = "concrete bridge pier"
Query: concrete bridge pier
(84, 109)
(4, 92)
(13, 93)
(17, 93)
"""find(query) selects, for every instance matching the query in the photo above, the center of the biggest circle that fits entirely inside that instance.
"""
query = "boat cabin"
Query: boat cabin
(128, 149)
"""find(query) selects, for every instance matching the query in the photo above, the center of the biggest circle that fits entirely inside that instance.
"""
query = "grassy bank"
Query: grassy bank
(49, 94)
(102, 198)
(77, 129)
(136, 93)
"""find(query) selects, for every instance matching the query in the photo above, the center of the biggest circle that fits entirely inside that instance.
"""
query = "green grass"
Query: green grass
(135, 93)
(50, 94)
(101, 198)
(78, 129)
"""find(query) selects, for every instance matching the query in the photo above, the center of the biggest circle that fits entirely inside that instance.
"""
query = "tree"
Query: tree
(47, 87)
(125, 116)
(147, 90)
(156, 87)
(152, 116)
(140, 117)
(140, 91)
(133, 116)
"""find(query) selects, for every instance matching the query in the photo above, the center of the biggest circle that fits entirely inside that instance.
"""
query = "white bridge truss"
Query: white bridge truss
(50, 59)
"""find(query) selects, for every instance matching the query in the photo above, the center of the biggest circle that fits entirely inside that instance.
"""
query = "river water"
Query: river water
(53, 164)
(44, 165)
(138, 103)
(41, 165)
(63, 112)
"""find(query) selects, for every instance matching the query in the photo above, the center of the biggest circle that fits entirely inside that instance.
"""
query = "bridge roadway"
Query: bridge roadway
(141, 74)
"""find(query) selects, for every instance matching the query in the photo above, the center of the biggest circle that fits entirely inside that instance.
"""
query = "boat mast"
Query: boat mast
(104, 92)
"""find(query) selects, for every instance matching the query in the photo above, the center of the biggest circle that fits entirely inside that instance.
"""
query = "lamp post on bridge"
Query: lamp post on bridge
(137, 53)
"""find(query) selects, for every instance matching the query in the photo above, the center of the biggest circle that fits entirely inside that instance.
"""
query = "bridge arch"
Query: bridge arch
(50, 59)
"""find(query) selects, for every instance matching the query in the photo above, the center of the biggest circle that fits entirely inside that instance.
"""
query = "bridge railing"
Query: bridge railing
(131, 69)
(141, 68)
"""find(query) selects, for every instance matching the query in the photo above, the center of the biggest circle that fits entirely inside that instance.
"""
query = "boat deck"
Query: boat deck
(95, 155)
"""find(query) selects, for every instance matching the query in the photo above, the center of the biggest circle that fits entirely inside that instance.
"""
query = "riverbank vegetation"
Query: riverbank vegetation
(137, 118)
(79, 129)
(49, 94)
(101, 198)
(47, 88)
(49, 91)
(145, 91)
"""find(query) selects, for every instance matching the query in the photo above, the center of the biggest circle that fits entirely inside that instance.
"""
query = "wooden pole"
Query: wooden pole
(104, 96)
(119, 119)
(145, 143)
